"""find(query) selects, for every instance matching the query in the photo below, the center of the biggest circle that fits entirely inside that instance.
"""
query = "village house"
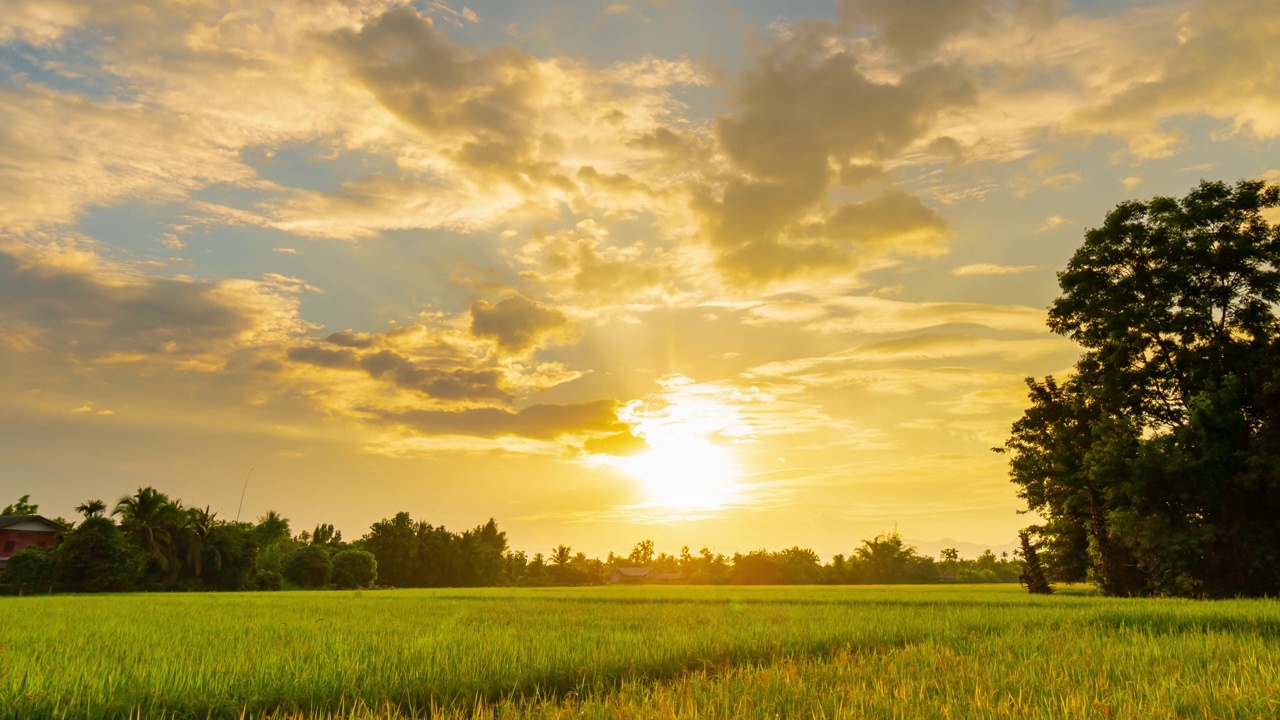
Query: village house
(20, 531)
(632, 575)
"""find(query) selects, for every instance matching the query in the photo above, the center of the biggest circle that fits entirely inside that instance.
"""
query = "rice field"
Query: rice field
(640, 652)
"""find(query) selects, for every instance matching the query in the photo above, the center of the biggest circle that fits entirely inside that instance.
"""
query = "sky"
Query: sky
(723, 274)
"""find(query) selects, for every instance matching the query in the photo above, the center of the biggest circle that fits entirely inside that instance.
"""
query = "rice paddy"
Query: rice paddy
(822, 652)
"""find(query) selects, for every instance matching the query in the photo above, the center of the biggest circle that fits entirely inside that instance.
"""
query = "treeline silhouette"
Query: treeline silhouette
(149, 542)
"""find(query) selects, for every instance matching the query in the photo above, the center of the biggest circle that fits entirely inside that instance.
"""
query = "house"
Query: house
(19, 531)
(642, 575)
(629, 575)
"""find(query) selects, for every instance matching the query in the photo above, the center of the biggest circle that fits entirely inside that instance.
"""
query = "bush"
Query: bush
(308, 567)
(268, 580)
(30, 571)
(354, 569)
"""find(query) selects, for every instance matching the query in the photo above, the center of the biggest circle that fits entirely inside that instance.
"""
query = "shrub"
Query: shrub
(268, 580)
(308, 567)
(354, 569)
(29, 571)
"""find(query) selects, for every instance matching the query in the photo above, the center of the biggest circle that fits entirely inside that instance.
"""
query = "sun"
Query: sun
(684, 471)
(692, 434)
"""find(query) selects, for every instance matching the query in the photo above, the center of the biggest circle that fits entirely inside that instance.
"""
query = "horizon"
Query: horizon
(726, 277)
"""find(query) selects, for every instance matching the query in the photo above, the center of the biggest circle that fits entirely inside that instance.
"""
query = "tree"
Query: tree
(1157, 465)
(354, 569)
(1032, 577)
(150, 520)
(201, 538)
(92, 508)
(642, 553)
(888, 559)
(96, 557)
(22, 507)
(272, 529)
(561, 555)
(394, 543)
(309, 567)
(325, 534)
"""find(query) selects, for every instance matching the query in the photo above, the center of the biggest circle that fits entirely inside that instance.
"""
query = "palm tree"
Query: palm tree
(200, 532)
(150, 520)
(561, 555)
(91, 508)
(272, 528)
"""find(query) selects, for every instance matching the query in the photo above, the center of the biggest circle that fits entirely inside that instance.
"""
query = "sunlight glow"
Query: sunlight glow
(691, 432)
(686, 471)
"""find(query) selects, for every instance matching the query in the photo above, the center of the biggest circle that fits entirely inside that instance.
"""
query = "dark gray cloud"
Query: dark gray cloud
(913, 28)
(349, 339)
(516, 323)
(70, 305)
(450, 383)
(482, 103)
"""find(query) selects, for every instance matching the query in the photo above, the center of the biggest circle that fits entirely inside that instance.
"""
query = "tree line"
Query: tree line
(150, 542)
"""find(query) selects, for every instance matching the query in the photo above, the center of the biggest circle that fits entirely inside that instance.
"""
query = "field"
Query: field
(816, 652)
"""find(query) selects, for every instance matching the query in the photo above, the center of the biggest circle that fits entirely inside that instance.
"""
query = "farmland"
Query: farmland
(910, 652)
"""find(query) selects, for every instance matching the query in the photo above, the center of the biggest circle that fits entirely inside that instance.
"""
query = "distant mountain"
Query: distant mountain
(966, 549)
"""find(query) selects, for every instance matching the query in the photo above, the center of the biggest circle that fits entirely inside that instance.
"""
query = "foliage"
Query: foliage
(1157, 465)
(22, 507)
(354, 569)
(418, 554)
(92, 508)
(1033, 577)
(29, 571)
(175, 547)
(268, 580)
(309, 567)
(951, 652)
(96, 557)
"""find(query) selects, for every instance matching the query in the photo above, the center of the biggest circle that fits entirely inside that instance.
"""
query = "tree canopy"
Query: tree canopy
(1155, 465)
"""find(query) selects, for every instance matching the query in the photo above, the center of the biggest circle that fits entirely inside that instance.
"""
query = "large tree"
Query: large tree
(1156, 466)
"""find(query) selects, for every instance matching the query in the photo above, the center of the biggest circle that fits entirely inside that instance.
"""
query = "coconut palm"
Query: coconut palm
(561, 555)
(200, 533)
(150, 520)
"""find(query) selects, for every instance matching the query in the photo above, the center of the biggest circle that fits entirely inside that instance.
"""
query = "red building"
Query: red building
(19, 531)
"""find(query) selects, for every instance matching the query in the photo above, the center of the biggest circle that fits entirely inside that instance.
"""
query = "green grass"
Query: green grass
(908, 652)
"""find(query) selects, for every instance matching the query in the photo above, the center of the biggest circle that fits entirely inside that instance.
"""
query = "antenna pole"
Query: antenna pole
(242, 492)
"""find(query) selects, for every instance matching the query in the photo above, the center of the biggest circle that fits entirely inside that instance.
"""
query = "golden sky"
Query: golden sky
(730, 274)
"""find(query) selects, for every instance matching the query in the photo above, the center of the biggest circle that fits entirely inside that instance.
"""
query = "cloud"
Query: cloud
(517, 323)
(803, 111)
(584, 265)
(620, 444)
(64, 154)
(71, 305)
(985, 269)
(1051, 222)
(539, 422)
(350, 339)
(876, 315)
(912, 28)
(450, 377)
(38, 22)
(1218, 62)
(939, 346)
(443, 384)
